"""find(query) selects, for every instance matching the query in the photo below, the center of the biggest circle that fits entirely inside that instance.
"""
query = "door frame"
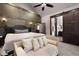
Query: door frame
(60, 14)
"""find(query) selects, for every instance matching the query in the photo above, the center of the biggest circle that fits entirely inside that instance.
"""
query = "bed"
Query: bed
(13, 37)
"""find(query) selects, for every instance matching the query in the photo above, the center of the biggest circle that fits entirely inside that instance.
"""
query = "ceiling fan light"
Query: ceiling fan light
(43, 5)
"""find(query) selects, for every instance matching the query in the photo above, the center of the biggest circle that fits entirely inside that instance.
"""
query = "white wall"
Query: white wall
(46, 19)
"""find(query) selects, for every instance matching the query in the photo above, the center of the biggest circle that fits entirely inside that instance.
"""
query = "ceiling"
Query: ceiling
(57, 7)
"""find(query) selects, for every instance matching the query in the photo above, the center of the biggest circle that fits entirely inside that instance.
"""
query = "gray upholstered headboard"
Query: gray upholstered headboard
(21, 29)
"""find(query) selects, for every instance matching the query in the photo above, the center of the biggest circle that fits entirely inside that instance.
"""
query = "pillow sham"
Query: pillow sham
(35, 44)
(44, 40)
(41, 43)
(54, 42)
(27, 43)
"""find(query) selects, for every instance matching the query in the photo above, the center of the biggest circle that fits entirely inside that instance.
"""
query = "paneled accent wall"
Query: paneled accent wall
(71, 27)
(18, 16)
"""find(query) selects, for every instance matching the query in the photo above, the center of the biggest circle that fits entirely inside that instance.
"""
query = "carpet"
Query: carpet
(66, 49)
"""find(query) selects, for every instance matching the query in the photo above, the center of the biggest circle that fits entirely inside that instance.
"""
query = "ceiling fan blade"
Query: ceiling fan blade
(38, 5)
(49, 5)
(43, 8)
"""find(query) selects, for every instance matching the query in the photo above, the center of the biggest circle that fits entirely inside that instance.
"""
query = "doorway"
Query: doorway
(57, 25)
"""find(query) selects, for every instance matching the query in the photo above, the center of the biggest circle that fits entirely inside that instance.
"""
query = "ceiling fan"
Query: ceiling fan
(43, 5)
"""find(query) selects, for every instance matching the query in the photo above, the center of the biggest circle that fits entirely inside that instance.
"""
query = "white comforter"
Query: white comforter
(10, 38)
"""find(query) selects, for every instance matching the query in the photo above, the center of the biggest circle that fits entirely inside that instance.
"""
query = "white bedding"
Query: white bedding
(10, 38)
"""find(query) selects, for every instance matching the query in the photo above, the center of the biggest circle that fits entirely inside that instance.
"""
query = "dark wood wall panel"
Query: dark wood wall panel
(71, 27)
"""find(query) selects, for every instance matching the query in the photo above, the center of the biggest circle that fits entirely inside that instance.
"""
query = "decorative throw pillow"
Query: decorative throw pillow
(41, 43)
(44, 40)
(54, 42)
(27, 43)
(35, 44)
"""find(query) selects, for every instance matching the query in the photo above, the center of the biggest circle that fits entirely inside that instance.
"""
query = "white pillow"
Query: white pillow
(27, 43)
(44, 40)
(41, 43)
(35, 44)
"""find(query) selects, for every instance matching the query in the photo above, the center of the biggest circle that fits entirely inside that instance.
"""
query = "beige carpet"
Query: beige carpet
(68, 49)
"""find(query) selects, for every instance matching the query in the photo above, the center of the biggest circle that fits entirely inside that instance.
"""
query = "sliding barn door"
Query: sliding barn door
(71, 27)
